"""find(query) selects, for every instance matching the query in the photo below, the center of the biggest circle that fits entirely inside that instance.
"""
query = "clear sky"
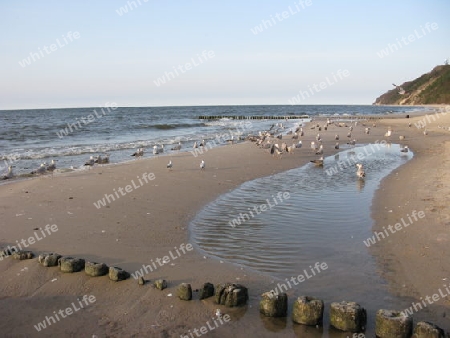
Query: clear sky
(119, 57)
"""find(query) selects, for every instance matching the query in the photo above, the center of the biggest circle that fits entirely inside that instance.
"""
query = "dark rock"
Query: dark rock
(207, 291)
(184, 291)
(231, 294)
(308, 311)
(348, 316)
(390, 323)
(272, 305)
(71, 264)
(160, 284)
(95, 269)
(49, 259)
(21, 255)
(428, 330)
(117, 274)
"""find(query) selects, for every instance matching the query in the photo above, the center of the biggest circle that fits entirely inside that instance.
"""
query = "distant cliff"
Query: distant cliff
(430, 88)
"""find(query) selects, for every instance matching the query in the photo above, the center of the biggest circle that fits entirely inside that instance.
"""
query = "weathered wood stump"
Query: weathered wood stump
(184, 291)
(95, 269)
(428, 330)
(207, 291)
(390, 323)
(21, 255)
(49, 259)
(308, 311)
(71, 264)
(117, 274)
(160, 284)
(348, 316)
(272, 305)
(231, 295)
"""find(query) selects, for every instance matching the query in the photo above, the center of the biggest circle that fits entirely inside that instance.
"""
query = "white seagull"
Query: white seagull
(360, 172)
(405, 149)
(169, 165)
(177, 147)
(9, 174)
(202, 165)
(155, 150)
(52, 167)
(320, 151)
(299, 144)
(41, 170)
(90, 162)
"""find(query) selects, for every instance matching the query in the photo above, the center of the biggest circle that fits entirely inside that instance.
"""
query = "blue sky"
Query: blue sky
(118, 58)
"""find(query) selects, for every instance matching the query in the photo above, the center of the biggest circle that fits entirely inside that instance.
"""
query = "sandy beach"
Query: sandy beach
(150, 220)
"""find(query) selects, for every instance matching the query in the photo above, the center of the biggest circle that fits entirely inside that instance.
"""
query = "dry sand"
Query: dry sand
(152, 220)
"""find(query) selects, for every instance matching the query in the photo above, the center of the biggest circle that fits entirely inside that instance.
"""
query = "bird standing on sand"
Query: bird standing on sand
(202, 165)
(405, 149)
(336, 137)
(360, 171)
(318, 162)
(299, 144)
(320, 151)
(52, 167)
(90, 162)
(336, 146)
(139, 152)
(9, 174)
(177, 147)
(41, 170)
(169, 165)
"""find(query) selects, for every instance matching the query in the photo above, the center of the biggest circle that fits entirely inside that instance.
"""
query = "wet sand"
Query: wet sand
(151, 222)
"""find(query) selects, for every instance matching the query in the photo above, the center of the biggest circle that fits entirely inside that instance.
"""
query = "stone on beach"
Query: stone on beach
(428, 330)
(71, 264)
(184, 291)
(207, 291)
(95, 269)
(49, 259)
(272, 305)
(231, 295)
(117, 274)
(348, 316)
(160, 284)
(389, 323)
(21, 255)
(141, 280)
(308, 311)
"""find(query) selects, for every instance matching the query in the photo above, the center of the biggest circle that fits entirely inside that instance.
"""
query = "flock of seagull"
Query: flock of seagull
(265, 139)
(269, 140)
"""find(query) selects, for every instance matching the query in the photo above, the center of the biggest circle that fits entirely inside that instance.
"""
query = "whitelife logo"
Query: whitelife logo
(205, 56)
(34, 56)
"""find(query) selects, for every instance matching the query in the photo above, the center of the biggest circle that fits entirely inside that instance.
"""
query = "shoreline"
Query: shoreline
(129, 251)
